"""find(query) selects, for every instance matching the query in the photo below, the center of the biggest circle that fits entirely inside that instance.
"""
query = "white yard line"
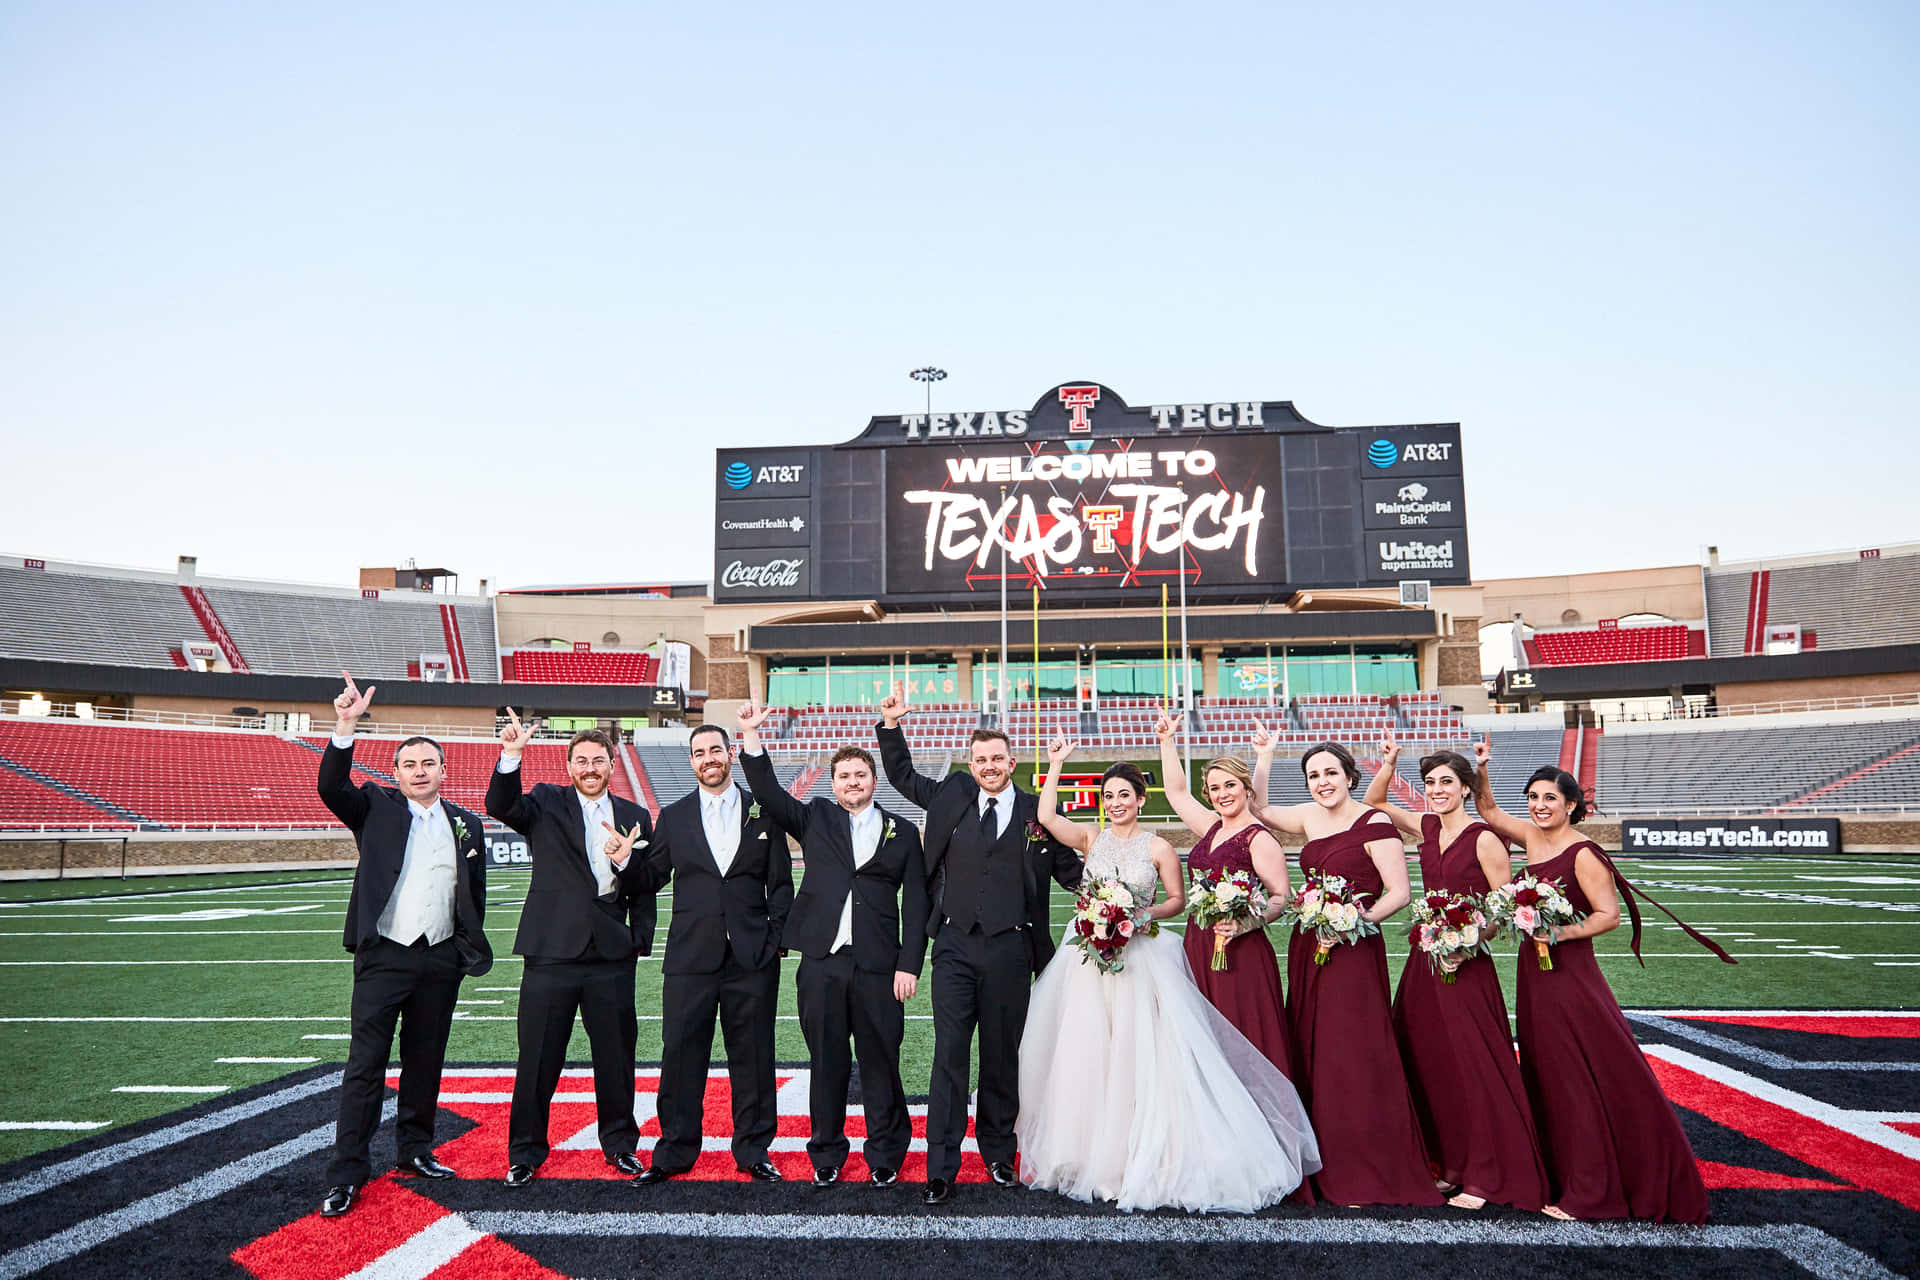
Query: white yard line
(171, 1088)
(242, 1061)
(53, 1124)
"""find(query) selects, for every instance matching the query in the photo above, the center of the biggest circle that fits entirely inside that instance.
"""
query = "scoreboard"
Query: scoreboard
(1092, 499)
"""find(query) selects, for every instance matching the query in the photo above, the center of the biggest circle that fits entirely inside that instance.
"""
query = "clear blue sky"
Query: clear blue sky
(302, 288)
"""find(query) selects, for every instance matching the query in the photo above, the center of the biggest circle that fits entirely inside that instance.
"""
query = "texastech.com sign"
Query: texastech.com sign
(1720, 835)
(1083, 495)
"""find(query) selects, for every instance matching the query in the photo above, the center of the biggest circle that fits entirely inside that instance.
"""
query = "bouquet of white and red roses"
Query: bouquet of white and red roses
(1530, 908)
(1105, 919)
(1450, 929)
(1328, 908)
(1221, 895)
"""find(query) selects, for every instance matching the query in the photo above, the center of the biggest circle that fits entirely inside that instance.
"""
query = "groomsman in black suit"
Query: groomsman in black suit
(988, 860)
(586, 917)
(857, 966)
(414, 928)
(732, 888)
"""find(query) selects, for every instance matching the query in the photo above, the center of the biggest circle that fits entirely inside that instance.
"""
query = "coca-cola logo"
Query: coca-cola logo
(770, 574)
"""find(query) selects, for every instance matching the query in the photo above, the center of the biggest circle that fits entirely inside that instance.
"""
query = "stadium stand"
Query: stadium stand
(29, 803)
(565, 666)
(470, 765)
(74, 617)
(1589, 646)
(1888, 782)
(1821, 595)
(1686, 768)
(282, 633)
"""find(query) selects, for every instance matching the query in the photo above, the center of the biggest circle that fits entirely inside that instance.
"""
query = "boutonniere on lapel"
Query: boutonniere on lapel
(753, 811)
(632, 833)
(1035, 832)
(460, 834)
(886, 832)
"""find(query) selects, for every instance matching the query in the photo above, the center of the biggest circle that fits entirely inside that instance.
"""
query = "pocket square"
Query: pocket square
(473, 853)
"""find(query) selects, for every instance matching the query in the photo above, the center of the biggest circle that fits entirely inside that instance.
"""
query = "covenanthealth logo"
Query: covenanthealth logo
(738, 475)
(1382, 454)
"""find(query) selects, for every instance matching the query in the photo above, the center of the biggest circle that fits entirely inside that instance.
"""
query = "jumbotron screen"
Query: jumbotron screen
(1089, 498)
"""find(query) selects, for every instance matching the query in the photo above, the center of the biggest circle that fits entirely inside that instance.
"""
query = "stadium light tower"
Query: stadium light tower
(929, 375)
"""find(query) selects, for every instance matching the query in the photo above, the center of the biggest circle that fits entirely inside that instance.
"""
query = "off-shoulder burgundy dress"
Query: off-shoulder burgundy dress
(1247, 991)
(1613, 1146)
(1346, 1061)
(1458, 1050)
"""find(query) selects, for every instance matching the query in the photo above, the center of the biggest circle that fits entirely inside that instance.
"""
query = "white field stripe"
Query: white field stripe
(336, 1018)
(143, 964)
(171, 1088)
(161, 933)
(342, 1036)
(1778, 1013)
(114, 1157)
(253, 1060)
(1809, 1247)
(162, 1204)
(422, 1253)
(53, 1124)
(1866, 1130)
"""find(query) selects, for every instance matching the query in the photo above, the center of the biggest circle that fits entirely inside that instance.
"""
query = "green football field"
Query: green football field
(123, 1000)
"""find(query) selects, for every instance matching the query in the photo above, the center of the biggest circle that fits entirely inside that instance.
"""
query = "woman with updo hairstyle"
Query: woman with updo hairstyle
(1247, 991)
(1346, 1061)
(1454, 1037)
(1612, 1145)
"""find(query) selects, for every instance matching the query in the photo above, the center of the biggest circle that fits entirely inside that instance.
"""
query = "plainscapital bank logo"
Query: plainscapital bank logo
(768, 575)
(1382, 454)
(738, 475)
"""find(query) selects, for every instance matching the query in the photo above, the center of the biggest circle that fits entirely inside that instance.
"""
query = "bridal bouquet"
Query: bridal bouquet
(1530, 908)
(1105, 920)
(1328, 908)
(1449, 930)
(1216, 896)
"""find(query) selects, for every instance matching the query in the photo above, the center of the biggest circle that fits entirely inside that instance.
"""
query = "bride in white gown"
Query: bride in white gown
(1133, 1088)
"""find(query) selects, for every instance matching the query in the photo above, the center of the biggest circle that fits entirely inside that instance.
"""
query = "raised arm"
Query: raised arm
(896, 758)
(1074, 835)
(1504, 824)
(1173, 780)
(789, 814)
(1382, 783)
(506, 802)
(1290, 818)
(335, 783)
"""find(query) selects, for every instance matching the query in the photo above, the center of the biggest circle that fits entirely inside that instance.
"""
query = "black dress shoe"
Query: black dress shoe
(424, 1167)
(627, 1163)
(883, 1177)
(339, 1200)
(936, 1192)
(651, 1176)
(1002, 1174)
(519, 1175)
(765, 1172)
(825, 1175)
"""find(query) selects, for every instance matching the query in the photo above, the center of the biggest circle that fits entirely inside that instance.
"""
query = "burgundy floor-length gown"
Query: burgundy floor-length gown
(1613, 1146)
(1346, 1061)
(1458, 1050)
(1247, 991)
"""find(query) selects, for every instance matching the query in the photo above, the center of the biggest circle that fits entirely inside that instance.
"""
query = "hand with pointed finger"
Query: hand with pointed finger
(1262, 740)
(619, 846)
(350, 706)
(1165, 729)
(1389, 750)
(894, 708)
(514, 736)
(752, 715)
(1058, 750)
(1482, 752)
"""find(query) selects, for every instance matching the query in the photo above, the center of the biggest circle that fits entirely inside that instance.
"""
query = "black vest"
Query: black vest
(984, 881)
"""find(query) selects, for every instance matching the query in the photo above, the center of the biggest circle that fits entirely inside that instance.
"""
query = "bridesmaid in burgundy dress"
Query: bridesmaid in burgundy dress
(1247, 991)
(1346, 1062)
(1613, 1145)
(1454, 1037)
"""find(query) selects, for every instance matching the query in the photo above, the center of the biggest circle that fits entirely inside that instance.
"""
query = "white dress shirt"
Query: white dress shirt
(422, 901)
(867, 830)
(720, 815)
(593, 813)
(1003, 812)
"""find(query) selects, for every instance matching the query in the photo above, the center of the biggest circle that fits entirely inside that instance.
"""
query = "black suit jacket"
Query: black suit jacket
(565, 917)
(381, 822)
(954, 799)
(746, 910)
(895, 871)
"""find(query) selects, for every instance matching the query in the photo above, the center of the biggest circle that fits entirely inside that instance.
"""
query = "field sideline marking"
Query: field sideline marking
(150, 1209)
(171, 1088)
(53, 1175)
(1809, 1247)
(1880, 1135)
(1762, 1057)
(251, 1060)
(53, 1124)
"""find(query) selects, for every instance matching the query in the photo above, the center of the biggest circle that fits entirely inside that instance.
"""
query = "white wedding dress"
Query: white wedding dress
(1134, 1089)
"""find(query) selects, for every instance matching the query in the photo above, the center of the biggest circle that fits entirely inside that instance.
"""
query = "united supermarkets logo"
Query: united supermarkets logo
(738, 475)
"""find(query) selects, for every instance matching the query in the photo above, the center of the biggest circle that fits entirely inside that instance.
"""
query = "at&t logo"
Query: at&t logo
(1382, 454)
(738, 475)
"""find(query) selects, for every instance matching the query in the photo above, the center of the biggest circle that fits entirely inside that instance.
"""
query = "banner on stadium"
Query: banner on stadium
(1730, 835)
(507, 849)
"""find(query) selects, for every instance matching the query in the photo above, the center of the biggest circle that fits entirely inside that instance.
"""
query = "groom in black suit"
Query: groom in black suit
(858, 968)
(732, 888)
(586, 917)
(414, 928)
(988, 863)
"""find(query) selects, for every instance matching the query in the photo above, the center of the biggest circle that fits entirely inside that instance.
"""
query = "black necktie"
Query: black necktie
(990, 819)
